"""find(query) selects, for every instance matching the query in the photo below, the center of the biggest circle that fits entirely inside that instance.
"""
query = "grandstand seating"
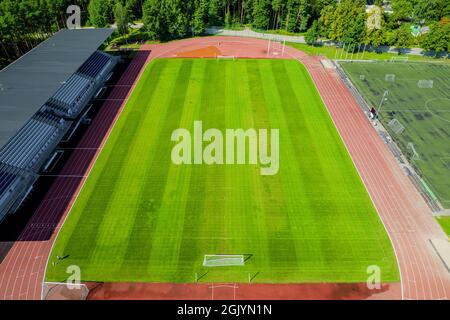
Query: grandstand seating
(36, 137)
(74, 94)
(96, 66)
(14, 184)
(22, 157)
(6, 180)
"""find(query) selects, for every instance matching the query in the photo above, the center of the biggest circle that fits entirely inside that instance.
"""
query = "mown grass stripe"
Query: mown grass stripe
(140, 245)
(92, 217)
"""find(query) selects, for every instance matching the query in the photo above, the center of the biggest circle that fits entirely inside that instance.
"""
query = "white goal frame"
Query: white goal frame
(400, 59)
(425, 84)
(276, 47)
(226, 58)
(223, 260)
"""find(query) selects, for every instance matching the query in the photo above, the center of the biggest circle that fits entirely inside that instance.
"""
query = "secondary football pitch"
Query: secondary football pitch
(141, 218)
(422, 115)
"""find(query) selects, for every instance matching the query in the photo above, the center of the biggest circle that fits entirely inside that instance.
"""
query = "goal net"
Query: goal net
(389, 77)
(226, 58)
(400, 59)
(276, 47)
(424, 84)
(396, 126)
(223, 260)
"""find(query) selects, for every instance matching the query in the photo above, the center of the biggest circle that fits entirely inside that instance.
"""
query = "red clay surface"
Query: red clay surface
(407, 218)
(206, 52)
(136, 291)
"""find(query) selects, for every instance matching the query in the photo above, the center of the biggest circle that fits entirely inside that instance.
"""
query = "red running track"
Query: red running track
(407, 218)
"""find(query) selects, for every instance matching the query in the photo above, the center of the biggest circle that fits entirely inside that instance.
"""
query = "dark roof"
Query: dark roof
(27, 83)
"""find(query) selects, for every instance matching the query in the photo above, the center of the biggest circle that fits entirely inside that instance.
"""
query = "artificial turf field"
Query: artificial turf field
(141, 218)
(424, 112)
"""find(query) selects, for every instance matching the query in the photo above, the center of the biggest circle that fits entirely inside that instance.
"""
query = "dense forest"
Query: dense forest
(24, 23)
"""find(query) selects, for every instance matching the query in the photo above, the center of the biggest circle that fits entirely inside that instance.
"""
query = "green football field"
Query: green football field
(139, 217)
(445, 224)
(423, 112)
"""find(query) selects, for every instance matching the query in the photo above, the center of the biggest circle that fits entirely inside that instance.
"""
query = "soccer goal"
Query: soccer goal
(276, 47)
(389, 77)
(233, 58)
(400, 59)
(223, 260)
(425, 84)
(396, 126)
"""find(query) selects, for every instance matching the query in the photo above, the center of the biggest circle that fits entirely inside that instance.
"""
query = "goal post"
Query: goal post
(276, 47)
(223, 260)
(396, 126)
(400, 59)
(233, 58)
(425, 84)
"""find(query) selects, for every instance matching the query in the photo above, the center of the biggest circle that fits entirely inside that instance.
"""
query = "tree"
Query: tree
(430, 10)
(134, 9)
(215, 7)
(121, 18)
(318, 5)
(313, 33)
(376, 33)
(327, 22)
(167, 19)
(402, 11)
(438, 39)
(198, 21)
(100, 13)
(299, 13)
(345, 22)
(401, 38)
(261, 14)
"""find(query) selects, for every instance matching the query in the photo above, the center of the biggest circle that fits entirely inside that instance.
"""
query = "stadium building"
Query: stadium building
(42, 98)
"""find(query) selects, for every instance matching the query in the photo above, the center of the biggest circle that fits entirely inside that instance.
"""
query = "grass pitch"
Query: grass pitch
(424, 112)
(445, 224)
(141, 218)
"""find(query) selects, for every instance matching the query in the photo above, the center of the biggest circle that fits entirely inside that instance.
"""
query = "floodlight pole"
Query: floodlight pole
(383, 99)
(342, 51)
(364, 51)
(359, 51)
(353, 52)
(346, 54)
